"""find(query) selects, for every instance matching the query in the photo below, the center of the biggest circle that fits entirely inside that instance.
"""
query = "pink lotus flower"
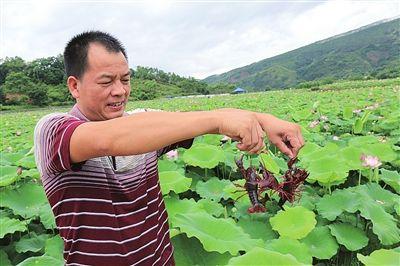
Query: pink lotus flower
(172, 155)
(357, 111)
(314, 124)
(370, 161)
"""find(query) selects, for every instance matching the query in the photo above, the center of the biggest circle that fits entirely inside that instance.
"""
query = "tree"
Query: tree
(48, 70)
(10, 64)
(59, 95)
(38, 94)
(17, 83)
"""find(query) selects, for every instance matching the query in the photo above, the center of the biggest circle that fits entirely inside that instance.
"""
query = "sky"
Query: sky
(189, 38)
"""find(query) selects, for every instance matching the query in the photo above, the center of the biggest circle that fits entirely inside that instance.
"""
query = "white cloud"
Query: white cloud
(196, 39)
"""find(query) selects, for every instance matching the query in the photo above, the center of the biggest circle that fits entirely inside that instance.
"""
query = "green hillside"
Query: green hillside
(372, 50)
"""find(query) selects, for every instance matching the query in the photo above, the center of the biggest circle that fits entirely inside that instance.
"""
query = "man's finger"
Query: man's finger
(284, 148)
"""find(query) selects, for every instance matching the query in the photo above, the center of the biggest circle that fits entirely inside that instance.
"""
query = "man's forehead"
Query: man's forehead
(99, 56)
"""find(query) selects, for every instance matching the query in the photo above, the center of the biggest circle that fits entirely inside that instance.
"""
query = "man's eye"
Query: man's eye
(125, 80)
(105, 83)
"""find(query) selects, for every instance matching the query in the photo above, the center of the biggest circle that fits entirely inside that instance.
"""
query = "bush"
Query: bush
(59, 95)
(38, 94)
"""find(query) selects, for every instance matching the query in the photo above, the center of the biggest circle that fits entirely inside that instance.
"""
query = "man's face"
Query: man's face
(103, 90)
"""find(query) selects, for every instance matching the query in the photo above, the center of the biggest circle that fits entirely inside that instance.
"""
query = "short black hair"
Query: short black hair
(76, 51)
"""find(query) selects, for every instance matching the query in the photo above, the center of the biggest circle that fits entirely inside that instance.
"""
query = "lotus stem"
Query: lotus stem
(376, 176)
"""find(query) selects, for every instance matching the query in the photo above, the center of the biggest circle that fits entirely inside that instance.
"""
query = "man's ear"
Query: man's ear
(73, 84)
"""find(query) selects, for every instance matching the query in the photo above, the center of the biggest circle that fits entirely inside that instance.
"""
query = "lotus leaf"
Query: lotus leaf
(261, 256)
(185, 206)
(31, 242)
(213, 189)
(361, 141)
(236, 189)
(41, 261)
(328, 170)
(392, 178)
(211, 139)
(204, 156)
(327, 151)
(8, 175)
(383, 197)
(268, 161)
(257, 229)
(4, 261)
(211, 207)
(351, 157)
(301, 114)
(383, 150)
(54, 248)
(294, 222)
(293, 247)
(383, 224)
(219, 235)
(307, 149)
(321, 243)
(25, 200)
(47, 217)
(347, 112)
(381, 257)
(307, 199)
(11, 225)
(166, 165)
(27, 162)
(351, 237)
(32, 173)
(358, 126)
(230, 157)
(331, 206)
(10, 158)
(189, 251)
(174, 181)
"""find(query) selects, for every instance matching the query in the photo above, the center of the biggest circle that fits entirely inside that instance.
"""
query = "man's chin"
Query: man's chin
(112, 115)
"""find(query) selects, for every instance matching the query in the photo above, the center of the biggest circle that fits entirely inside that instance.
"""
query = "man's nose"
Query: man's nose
(118, 89)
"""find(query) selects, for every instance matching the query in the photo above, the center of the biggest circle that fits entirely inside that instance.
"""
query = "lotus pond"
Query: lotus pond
(348, 213)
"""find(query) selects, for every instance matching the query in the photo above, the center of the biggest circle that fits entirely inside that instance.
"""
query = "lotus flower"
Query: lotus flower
(370, 161)
(314, 124)
(357, 111)
(335, 138)
(225, 138)
(372, 107)
(323, 118)
(172, 155)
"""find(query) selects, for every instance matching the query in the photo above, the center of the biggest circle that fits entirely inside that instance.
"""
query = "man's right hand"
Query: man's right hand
(249, 128)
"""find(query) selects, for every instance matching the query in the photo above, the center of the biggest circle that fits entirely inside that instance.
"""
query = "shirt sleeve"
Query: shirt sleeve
(182, 144)
(52, 138)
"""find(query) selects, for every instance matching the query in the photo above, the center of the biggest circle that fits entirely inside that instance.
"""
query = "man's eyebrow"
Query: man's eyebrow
(127, 74)
(106, 76)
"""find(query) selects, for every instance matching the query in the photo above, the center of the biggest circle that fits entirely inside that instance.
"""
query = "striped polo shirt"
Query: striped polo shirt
(108, 210)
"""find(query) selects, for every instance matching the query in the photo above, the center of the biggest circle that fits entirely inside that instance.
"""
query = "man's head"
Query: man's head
(98, 74)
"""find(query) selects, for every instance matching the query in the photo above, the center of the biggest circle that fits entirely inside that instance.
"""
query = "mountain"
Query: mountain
(372, 50)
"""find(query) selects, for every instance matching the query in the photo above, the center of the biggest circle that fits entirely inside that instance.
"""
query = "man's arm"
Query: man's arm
(151, 131)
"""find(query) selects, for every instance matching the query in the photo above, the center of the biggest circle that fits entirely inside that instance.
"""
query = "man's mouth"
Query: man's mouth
(116, 104)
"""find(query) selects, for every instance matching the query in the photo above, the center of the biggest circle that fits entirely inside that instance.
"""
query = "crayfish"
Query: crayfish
(255, 185)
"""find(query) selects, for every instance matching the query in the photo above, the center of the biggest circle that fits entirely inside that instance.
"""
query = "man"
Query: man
(99, 165)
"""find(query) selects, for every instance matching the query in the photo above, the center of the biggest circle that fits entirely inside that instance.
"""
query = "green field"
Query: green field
(348, 213)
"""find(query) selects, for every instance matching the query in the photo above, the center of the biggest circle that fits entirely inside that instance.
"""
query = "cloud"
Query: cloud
(189, 38)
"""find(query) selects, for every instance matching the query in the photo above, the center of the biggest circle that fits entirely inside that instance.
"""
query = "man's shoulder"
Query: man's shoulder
(56, 116)
(49, 121)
